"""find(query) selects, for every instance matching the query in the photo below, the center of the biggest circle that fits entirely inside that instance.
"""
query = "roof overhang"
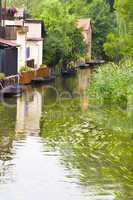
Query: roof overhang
(8, 43)
(34, 21)
(35, 39)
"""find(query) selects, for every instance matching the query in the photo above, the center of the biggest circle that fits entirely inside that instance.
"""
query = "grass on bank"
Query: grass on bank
(112, 84)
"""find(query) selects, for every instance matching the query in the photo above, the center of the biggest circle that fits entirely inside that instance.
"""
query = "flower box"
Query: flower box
(26, 77)
(43, 72)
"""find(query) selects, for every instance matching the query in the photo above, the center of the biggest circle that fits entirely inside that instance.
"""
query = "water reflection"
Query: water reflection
(84, 77)
(60, 156)
(29, 111)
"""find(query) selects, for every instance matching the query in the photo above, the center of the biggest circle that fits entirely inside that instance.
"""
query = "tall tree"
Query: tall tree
(111, 3)
(119, 44)
(64, 42)
(103, 22)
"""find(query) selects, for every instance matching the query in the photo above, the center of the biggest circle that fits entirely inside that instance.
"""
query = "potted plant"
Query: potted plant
(2, 78)
(26, 75)
(43, 71)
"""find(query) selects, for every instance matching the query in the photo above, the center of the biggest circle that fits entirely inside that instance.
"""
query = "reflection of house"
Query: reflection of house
(84, 82)
(27, 34)
(29, 110)
(85, 25)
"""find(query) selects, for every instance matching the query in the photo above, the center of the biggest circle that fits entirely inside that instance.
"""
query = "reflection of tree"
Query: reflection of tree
(103, 156)
(7, 135)
(69, 84)
(7, 126)
(104, 159)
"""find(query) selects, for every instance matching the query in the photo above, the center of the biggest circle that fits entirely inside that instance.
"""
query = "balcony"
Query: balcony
(10, 32)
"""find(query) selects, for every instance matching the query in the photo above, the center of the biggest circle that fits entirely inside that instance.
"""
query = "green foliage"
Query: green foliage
(25, 69)
(64, 42)
(78, 8)
(118, 47)
(125, 10)
(119, 44)
(20, 3)
(53, 49)
(60, 18)
(112, 84)
(111, 3)
(111, 22)
(103, 22)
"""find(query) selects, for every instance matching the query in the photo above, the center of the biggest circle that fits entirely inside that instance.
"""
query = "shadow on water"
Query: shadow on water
(53, 145)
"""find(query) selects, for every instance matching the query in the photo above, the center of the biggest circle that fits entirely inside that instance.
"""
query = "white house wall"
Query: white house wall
(35, 30)
(36, 51)
(9, 22)
(40, 43)
(21, 40)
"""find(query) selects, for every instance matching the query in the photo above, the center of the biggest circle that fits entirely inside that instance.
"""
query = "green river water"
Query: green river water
(55, 145)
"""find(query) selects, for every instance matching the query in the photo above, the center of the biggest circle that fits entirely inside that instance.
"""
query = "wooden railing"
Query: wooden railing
(10, 80)
(1, 85)
(8, 33)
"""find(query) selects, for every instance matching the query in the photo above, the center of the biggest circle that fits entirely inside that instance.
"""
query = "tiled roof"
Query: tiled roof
(84, 23)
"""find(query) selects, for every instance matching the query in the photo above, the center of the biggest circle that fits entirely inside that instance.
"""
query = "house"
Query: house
(34, 40)
(27, 35)
(85, 25)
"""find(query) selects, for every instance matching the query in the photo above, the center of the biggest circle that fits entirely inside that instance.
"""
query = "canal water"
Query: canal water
(55, 145)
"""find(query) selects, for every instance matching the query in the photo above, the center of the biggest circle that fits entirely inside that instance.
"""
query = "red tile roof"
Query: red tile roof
(84, 23)
(8, 42)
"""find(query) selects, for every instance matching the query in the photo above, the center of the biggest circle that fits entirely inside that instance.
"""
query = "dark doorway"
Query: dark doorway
(8, 60)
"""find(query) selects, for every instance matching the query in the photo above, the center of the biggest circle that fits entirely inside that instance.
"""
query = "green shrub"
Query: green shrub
(25, 69)
(2, 76)
(112, 84)
(118, 47)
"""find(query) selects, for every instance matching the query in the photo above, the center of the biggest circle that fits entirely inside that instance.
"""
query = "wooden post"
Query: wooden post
(4, 17)
(0, 12)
